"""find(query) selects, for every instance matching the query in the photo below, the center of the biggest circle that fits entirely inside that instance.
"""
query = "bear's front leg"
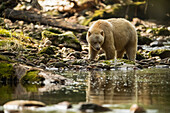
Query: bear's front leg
(110, 53)
(92, 53)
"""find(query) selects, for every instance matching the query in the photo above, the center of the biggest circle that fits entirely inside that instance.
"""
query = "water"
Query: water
(117, 90)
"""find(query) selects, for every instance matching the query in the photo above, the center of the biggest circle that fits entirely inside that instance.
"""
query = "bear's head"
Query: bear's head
(95, 38)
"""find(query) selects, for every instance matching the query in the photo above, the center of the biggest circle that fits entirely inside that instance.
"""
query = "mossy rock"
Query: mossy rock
(54, 30)
(126, 61)
(162, 53)
(68, 39)
(5, 33)
(47, 50)
(5, 58)
(139, 56)
(32, 76)
(7, 72)
(164, 32)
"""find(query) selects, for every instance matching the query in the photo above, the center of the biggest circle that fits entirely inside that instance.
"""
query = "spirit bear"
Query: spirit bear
(114, 36)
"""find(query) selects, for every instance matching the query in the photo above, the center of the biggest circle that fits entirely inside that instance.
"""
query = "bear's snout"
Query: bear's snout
(98, 48)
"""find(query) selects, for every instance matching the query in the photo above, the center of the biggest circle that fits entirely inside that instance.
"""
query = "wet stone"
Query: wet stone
(90, 107)
(24, 104)
(162, 66)
(137, 109)
(65, 104)
(156, 44)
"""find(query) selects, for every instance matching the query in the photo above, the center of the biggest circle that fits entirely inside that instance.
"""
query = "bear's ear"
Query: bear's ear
(102, 33)
(89, 33)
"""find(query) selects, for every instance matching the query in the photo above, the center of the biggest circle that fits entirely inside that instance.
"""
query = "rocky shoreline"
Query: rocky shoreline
(48, 48)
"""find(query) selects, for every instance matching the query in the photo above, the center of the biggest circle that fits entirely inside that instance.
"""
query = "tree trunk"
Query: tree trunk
(39, 18)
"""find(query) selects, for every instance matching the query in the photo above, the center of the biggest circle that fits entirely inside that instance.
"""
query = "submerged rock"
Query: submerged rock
(137, 109)
(90, 107)
(19, 105)
(65, 104)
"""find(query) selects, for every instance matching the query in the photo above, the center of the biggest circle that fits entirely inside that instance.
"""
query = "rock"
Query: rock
(68, 39)
(59, 64)
(139, 56)
(160, 52)
(165, 54)
(137, 109)
(65, 104)
(162, 66)
(18, 105)
(156, 44)
(47, 50)
(76, 54)
(165, 61)
(32, 76)
(90, 107)
(142, 40)
(54, 78)
(164, 32)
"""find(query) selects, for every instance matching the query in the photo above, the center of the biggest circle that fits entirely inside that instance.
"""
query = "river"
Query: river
(116, 89)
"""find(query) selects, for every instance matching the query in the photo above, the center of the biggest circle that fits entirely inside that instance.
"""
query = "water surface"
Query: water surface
(117, 90)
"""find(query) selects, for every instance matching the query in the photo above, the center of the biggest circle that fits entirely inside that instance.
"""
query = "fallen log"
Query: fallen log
(29, 16)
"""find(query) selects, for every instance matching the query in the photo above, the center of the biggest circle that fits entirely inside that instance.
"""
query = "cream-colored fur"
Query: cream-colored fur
(112, 35)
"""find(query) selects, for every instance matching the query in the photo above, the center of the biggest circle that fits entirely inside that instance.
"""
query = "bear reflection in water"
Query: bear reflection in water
(113, 89)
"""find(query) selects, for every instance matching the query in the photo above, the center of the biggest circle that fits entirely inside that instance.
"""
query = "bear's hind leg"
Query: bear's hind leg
(131, 52)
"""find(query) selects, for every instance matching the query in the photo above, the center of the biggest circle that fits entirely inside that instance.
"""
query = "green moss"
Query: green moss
(5, 33)
(68, 39)
(7, 72)
(108, 62)
(127, 61)
(155, 52)
(32, 76)
(5, 58)
(163, 53)
(54, 30)
(47, 50)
